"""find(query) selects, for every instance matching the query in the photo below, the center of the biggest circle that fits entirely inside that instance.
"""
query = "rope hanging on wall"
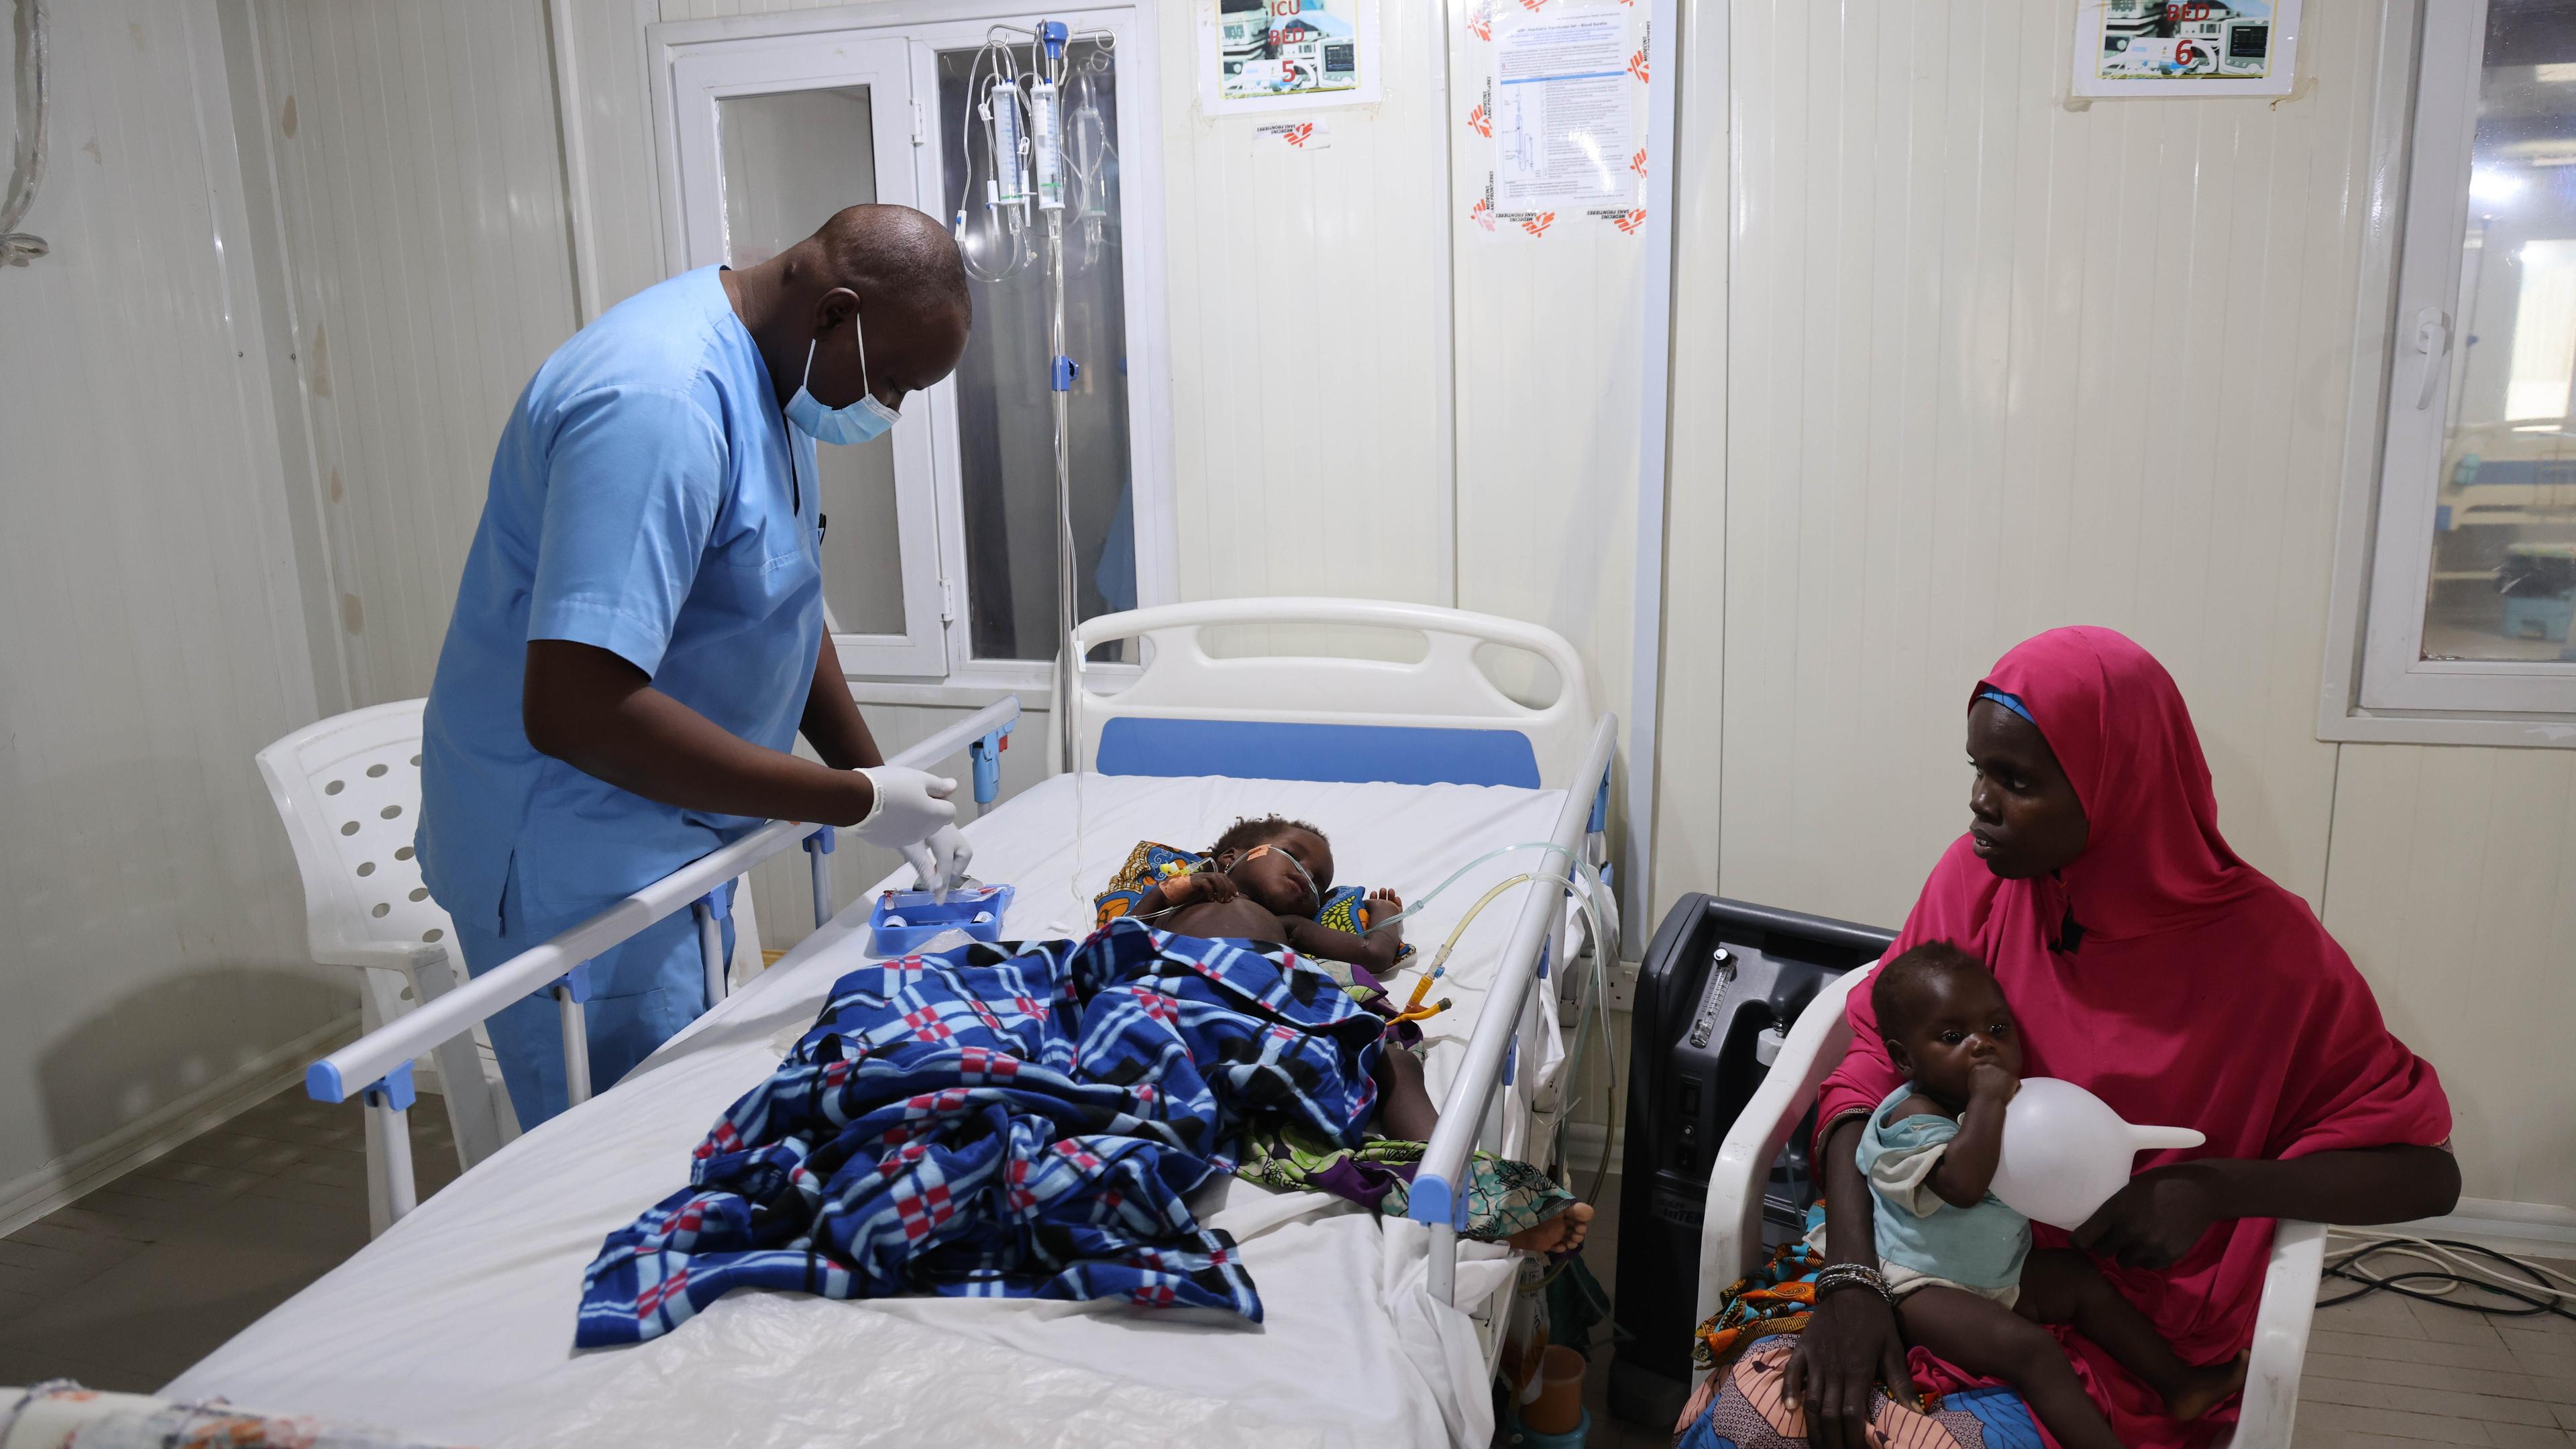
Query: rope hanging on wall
(27, 156)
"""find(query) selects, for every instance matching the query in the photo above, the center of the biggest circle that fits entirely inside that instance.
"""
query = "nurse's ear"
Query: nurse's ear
(833, 311)
(837, 376)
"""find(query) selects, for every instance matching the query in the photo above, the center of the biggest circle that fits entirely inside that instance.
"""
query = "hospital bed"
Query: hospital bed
(1731, 1224)
(456, 1325)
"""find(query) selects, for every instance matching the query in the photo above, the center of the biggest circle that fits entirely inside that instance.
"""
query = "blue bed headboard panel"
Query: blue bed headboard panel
(1342, 753)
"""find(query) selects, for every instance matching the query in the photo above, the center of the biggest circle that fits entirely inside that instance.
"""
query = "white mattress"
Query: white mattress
(456, 1326)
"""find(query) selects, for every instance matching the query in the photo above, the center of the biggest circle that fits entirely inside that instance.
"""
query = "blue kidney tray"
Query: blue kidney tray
(903, 920)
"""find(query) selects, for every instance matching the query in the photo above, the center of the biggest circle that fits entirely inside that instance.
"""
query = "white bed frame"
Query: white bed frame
(377, 1067)
(1730, 1243)
(1438, 719)
(1185, 712)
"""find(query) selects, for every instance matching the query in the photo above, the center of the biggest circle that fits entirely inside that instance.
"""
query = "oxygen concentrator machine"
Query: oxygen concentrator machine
(1717, 993)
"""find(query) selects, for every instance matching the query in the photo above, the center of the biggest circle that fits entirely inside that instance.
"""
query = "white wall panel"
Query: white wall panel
(599, 59)
(1688, 795)
(1310, 341)
(2454, 886)
(1996, 365)
(428, 272)
(153, 938)
(1549, 361)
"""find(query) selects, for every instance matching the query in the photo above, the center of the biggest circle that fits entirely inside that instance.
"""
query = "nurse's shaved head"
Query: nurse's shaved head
(895, 252)
(893, 272)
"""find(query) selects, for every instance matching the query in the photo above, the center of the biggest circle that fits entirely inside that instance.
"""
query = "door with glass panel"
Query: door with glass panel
(772, 138)
(2474, 580)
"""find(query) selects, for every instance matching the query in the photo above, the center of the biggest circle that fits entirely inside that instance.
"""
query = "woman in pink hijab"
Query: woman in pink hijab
(2150, 965)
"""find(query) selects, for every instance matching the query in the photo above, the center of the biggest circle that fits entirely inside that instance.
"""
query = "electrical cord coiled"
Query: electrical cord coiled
(2453, 1267)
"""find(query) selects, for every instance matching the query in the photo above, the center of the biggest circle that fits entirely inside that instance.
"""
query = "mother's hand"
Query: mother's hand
(2155, 1220)
(2160, 1215)
(1850, 1344)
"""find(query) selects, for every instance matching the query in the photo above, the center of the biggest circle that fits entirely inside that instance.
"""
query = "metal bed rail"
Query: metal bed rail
(378, 1066)
(1439, 1196)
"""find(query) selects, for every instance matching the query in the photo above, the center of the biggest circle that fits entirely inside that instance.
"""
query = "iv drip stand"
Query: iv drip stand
(1067, 594)
(1062, 370)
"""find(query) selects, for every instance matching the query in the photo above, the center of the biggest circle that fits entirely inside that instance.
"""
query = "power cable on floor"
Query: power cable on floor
(2452, 1268)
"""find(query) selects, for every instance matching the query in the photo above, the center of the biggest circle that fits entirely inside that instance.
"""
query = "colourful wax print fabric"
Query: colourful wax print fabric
(1021, 1121)
(1503, 1197)
(1747, 1412)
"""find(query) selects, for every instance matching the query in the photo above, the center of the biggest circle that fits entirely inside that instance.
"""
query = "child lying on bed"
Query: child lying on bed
(1268, 880)
(1967, 1282)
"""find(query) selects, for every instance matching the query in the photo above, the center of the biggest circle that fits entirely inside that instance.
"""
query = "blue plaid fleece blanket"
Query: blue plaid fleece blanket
(1012, 1121)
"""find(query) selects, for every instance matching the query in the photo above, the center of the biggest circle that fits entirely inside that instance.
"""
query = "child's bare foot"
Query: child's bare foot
(1560, 1234)
(2203, 1390)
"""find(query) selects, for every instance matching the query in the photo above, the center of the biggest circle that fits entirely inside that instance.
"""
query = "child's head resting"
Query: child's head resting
(1284, 864)
(1941, 1013)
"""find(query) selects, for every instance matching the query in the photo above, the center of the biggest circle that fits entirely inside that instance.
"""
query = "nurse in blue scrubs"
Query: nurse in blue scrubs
(638, 639)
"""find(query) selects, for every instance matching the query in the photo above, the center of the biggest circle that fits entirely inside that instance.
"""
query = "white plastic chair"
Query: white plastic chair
(348, 790)
(1730, 1243)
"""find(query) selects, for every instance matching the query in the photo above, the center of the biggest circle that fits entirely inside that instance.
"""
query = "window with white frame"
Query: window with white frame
(940, 554)
(2473, 569)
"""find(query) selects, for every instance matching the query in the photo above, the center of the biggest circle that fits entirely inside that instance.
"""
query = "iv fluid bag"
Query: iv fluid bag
(1046, 136)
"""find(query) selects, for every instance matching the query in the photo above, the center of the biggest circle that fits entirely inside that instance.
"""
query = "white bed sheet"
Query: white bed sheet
(457, 1324)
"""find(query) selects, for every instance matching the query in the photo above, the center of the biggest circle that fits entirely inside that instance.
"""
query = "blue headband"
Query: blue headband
(2009, 702)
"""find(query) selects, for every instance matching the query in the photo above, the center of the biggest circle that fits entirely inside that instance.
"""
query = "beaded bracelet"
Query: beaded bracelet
(1836, 1276)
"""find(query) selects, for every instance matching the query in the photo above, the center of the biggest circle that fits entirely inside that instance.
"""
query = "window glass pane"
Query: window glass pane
(791, 159)
(1005, 422)
(2504, 534)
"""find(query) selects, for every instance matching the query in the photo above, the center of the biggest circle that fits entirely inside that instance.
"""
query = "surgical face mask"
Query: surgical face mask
(861, 422)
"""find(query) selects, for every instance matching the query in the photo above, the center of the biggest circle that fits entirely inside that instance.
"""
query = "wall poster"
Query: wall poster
(1563, 100)
(1269, 55)
(2185, 47)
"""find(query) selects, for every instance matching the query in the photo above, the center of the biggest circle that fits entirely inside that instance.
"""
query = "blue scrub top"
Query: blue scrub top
(647, 499)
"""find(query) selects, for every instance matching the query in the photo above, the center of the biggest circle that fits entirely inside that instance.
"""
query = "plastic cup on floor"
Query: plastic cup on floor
(1558, 1409)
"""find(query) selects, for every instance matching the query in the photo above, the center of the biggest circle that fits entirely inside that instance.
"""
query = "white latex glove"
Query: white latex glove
(939, 863)
(910, 805)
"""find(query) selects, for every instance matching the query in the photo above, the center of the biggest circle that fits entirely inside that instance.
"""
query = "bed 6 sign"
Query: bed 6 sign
(1563, 107)
(2185, 47)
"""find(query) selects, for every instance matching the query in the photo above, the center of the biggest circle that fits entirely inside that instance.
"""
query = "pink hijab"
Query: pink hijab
(2189, 990)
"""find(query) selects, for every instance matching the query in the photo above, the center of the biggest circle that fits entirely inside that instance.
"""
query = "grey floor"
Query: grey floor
(2383, 1372)
(143, 1277)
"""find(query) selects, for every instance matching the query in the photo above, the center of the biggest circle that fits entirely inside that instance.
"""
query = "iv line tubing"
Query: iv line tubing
(1434, 893)
(1584, 900)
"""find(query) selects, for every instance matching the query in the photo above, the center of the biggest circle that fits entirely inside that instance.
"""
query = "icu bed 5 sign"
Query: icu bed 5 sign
(1262, 55)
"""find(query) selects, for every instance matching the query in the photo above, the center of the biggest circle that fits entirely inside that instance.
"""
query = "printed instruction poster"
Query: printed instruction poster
(1269, 54)
(1564, 113)
(1564, 102)
(2185, 47)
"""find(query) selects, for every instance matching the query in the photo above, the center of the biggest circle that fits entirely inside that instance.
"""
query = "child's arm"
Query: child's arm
(1377, 950)
(1967, 1167)
(1200, 888)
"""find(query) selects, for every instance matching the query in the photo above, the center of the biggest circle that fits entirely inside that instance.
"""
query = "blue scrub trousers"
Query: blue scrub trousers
(641, 994)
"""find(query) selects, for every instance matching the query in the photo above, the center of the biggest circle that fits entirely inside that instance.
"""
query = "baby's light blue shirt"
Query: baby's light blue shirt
(1978, 1247)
